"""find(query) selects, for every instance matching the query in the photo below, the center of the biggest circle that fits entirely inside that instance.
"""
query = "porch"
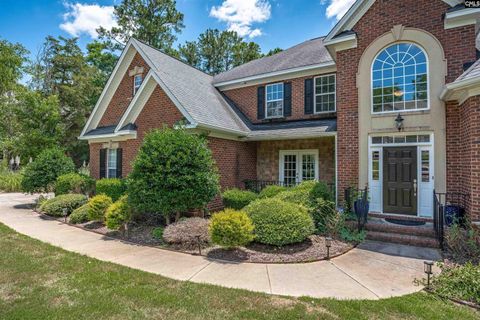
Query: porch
(289, 162)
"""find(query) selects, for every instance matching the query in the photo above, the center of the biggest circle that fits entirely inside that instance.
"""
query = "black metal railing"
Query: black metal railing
(356, 203)
(448, 208)
(259, 185)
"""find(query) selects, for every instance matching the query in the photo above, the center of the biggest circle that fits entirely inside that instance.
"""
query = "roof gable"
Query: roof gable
(356, 12)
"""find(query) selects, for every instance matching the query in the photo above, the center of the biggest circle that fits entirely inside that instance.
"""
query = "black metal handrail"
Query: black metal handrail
(441, 200)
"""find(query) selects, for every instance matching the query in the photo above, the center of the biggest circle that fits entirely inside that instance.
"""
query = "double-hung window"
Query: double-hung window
(112, 163)
(274, 101)
(137, 82)
(325, 96)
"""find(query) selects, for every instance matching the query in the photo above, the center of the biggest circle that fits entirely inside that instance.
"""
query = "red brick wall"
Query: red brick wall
(463, 152)
(124, 94)
(246, 100)
(236, 161)
(458, 44)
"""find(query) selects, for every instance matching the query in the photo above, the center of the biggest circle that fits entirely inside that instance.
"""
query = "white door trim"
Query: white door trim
(298, 154)
(424, 189)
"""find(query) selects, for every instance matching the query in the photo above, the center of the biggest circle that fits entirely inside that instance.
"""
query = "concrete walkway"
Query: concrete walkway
(371, 271)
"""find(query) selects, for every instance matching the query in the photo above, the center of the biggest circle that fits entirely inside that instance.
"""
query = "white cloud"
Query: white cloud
(86, 18)
(240, 15)
(338, 8)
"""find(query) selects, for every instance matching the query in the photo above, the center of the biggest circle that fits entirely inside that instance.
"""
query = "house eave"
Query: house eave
(461, 18)
(265, 76)
(460, 91)
(120, 135)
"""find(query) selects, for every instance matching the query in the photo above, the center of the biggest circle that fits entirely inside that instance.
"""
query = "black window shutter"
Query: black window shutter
(103, 163)
(261, 102)
(119, 162)
(308, 96)
(287, 99)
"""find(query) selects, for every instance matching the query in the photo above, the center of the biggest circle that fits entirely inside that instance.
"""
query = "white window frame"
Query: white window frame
(324, 94)
(274, 100)
(427, 62)
(135, 87)
(298, 154)
(114, 151)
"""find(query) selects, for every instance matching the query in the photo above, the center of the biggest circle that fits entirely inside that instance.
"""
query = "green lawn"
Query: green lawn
(39, 281)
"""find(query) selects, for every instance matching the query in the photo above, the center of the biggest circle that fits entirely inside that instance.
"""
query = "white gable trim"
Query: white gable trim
(461, 18)
(110, 88)
(356, 12)
(144, 92)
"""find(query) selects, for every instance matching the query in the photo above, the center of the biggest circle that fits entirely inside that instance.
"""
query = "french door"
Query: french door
(297, 166)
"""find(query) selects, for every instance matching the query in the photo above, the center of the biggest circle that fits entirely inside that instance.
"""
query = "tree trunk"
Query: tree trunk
(167, 219)
(177, 216)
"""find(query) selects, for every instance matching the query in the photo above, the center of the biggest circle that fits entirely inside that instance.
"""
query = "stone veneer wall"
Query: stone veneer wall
(268, 156)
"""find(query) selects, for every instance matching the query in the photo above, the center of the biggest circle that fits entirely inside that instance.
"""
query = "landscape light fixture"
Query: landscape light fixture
(328, 244)
(427, 268)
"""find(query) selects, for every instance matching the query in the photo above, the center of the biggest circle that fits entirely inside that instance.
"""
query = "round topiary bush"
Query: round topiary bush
(326, 217)
(187, 232)
(295, 195)
(42, 173)
(112, 187)
(55, 206)
(271, 191)
(278, 222)
(231, 228)
(118, 214)
(238, 199)
(97, 207)
(79, 215)
(74, 183)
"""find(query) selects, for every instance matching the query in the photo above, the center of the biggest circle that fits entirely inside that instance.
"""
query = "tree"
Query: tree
(189, 53)
(154, 22)
(61, 69)
(12, 60)
(219, 51)
(173, 172)
(273, 51)
(41, 174)
(39, 123)
(100, 55)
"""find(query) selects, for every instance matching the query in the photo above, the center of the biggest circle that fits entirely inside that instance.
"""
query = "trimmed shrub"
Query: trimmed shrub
(74, 183)
(42, 173)
(187, 232)
(97, 207)
(238, 199)
(271, 191)
(118, 214)
(295, 195)
(231, 228)
(463, 242)
(278, 222)
(321, 190)
(79, 215)
(112, 187)
(173, 172)
(54, 207)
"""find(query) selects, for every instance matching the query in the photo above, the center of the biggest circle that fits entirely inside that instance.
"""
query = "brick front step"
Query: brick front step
(378, 225)
(411, 240)
(399, 217)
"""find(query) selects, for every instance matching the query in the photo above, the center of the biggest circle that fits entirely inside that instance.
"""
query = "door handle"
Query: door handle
(414, 187)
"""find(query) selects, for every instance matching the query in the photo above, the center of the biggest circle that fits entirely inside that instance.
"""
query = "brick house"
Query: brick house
(390, 98)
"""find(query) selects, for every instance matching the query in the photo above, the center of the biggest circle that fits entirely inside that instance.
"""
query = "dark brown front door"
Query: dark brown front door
(399, 180)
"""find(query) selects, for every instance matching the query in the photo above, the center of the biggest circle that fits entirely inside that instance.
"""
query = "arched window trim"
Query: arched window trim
(427, 81)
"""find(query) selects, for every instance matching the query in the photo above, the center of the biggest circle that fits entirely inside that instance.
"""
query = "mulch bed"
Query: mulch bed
(312, 249)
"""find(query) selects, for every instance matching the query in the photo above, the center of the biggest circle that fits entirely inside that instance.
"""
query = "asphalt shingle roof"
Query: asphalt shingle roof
(307, 53)
(194, 91)
(472, 72)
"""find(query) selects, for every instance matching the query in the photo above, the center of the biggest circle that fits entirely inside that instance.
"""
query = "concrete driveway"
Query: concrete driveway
(373, 270)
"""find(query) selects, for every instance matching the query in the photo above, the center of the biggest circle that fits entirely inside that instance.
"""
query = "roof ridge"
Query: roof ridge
(172, 57)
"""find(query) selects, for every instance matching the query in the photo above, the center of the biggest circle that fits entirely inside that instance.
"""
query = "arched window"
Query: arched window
(399, 79)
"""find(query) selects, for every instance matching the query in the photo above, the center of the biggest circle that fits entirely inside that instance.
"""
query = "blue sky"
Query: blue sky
(271, 23)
